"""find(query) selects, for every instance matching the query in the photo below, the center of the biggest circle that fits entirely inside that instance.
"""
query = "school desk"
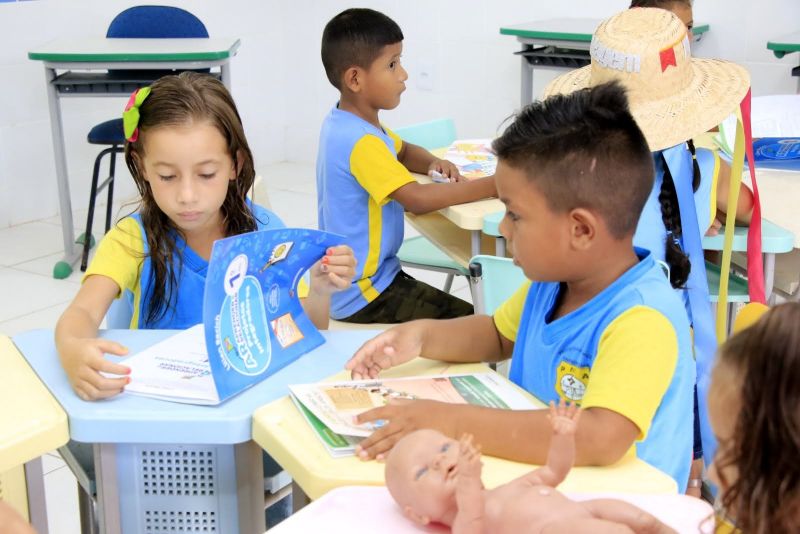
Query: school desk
(31, 424)
(367, 509)
(456, 230)
(286, 436)
(71, 67)
(562, 42)
(787, 44)
(158, 462)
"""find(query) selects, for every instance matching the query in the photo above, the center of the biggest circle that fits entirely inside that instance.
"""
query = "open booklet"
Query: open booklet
(330, 407)
(253, 322)
(473, 157)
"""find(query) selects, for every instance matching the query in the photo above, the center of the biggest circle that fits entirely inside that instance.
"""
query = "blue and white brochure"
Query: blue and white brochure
(253, 322)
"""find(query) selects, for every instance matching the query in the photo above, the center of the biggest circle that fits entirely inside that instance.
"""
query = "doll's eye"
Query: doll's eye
(421, 472)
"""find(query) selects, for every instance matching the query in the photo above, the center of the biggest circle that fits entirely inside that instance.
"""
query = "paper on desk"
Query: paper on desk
(336, 404)
(473, 157)
(175, 369)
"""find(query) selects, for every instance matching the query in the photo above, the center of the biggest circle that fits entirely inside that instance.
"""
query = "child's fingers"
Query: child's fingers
(111, 347)
(101, 364)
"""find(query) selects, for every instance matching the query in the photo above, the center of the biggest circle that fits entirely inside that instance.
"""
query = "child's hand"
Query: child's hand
(715, 227)
(335, 271)
(564, 417)
(469, 458)
(84, 359)
(446, 170)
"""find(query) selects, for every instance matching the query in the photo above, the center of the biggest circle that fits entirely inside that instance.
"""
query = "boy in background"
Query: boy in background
(364, 180)
(598, 325)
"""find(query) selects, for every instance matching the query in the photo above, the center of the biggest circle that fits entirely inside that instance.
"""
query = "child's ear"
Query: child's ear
(583, 228)
(353, 79)
(416, 518)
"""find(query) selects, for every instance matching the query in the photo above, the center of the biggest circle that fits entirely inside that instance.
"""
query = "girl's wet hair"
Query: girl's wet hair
(180, 100)
(765, 446)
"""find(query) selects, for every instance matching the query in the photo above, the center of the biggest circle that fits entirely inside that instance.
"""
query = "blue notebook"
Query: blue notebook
(253, 322)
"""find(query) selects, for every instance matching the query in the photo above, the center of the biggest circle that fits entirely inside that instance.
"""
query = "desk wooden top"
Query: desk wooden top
(281, 430)
(32, 422)
(467, 216)
(104, 50)
(785, 44)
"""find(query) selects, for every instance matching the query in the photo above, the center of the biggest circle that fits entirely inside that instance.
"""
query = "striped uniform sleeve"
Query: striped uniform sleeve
(119, 255)
(636, 360)
(507, 316)
(377, 170)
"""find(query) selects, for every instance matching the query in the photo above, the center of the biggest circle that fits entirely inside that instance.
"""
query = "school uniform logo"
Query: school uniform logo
(571, 381)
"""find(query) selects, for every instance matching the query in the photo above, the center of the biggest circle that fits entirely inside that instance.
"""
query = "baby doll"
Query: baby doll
(436, 479)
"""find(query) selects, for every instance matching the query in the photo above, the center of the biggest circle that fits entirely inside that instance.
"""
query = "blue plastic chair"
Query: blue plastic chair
(163, 22)
(419, 252)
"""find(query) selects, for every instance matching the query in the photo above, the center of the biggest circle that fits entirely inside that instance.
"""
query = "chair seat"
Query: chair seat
(737, 286)
(491, 223)
(107, 133)
(418, 250)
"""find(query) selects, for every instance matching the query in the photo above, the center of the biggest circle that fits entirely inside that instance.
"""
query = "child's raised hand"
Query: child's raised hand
(83, 361)
(335, 271)
(564, 417)
(446, 169)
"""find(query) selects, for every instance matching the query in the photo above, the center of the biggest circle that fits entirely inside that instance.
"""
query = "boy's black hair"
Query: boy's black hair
(356, 36)
(584, 150)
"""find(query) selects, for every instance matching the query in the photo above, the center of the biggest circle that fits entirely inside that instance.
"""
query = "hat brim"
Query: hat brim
(716, 91)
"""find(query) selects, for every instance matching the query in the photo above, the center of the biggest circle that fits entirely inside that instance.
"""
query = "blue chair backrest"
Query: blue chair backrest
(500, 278)
(439, 133)
(156, 22)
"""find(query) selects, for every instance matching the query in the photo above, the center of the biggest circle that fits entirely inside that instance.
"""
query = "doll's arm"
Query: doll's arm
(564, 420)
(469, 489)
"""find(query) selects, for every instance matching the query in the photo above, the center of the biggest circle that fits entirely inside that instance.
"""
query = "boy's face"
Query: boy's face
(384, 81)
(538, 237)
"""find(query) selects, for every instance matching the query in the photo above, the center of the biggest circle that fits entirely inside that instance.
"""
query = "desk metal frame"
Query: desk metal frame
(121, 54)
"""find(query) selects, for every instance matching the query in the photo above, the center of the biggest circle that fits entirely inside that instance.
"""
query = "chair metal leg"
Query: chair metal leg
(87, 236)
(448, 283)
(110, 198)
(95, 190)
(87, 512)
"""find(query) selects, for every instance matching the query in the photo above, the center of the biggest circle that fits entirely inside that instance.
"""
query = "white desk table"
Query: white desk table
(71, 70)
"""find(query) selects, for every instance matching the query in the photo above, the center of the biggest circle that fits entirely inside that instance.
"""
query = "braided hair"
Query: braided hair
(676, 258)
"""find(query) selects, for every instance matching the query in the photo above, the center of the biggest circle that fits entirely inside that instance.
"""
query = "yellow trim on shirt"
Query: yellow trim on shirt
(377, 170)
(636, 359)
(374, 252)
(119, 257)
(508, 315)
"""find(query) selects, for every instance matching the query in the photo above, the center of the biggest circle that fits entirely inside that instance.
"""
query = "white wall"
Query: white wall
(280, 86)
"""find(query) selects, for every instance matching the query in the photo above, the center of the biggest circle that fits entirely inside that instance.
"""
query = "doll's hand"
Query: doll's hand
(564, 417)
(335, 271)
(84, 359)
(446, 170)
(469, 458)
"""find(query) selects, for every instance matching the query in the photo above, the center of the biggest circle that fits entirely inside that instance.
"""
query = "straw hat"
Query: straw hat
(672, 96)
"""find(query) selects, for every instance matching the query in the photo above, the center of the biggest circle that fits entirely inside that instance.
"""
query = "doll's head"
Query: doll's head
(420, 475)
